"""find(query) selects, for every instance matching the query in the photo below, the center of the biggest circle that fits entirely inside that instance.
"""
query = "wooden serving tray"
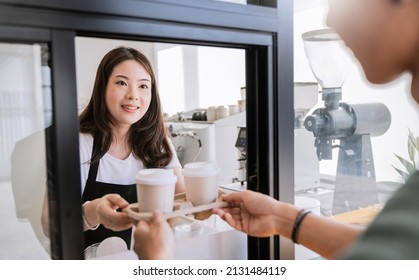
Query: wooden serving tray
(181, 207)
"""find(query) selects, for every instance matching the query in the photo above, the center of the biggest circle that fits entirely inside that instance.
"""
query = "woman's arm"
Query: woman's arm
(104, 211)
(180, 184)
(98, 211)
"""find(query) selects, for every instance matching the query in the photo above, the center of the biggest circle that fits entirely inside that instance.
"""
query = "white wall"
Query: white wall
(192, 77)
(170, 70)
(222, 72)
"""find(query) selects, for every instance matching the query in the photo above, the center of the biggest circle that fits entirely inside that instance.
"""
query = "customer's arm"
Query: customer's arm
(262, 216)
(325, 236)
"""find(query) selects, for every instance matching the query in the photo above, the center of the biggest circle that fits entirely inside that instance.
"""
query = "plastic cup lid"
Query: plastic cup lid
(201, 169)
(156, 176)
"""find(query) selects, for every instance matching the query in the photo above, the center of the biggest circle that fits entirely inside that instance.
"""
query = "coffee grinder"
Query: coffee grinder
(347, 127)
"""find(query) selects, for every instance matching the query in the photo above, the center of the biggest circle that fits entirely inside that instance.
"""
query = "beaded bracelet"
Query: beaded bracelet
(296, 228)
(84, 218)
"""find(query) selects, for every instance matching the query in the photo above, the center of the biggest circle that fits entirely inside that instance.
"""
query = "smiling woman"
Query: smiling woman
(121, 131)
(128, 94)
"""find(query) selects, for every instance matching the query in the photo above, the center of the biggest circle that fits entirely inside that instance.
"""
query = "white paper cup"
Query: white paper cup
(211, 114)
(201, 182)
(234, 109)
(222, 112)
(308, 203)
(156, 189)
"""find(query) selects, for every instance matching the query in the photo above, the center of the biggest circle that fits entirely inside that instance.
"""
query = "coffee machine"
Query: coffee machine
(196, 141)
(347, 127)
(241, 145)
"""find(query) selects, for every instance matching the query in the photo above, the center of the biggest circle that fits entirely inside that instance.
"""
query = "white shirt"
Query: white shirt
(113, 170)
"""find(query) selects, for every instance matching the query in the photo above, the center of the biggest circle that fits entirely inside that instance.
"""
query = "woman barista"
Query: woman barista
(121, 131)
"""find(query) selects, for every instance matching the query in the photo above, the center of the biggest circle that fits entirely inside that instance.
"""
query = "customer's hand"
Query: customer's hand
(251, 212)
(154, 240)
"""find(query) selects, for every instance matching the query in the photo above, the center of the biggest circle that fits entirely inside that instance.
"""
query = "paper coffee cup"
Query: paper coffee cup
(156, 189)
(201, 182)
(211, 114)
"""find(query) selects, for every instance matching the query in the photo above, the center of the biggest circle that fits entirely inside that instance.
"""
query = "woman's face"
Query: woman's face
(377, 33)
(128, 93)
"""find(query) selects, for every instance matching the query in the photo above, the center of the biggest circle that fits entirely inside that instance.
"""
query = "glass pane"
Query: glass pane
(25, 110)
(191, 80)
(202, 94)
(348, 133)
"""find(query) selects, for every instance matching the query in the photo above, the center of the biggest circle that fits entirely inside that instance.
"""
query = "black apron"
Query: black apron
(95, 190)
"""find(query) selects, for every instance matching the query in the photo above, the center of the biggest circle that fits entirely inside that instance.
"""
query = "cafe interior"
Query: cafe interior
(242, 84)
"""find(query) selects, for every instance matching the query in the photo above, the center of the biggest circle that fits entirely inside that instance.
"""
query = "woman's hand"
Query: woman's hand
(104, 211)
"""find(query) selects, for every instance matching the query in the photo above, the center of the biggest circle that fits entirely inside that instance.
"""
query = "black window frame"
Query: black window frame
(265, 32)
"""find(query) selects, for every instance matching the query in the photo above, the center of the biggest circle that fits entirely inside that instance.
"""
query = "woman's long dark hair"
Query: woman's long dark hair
(148, 136)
